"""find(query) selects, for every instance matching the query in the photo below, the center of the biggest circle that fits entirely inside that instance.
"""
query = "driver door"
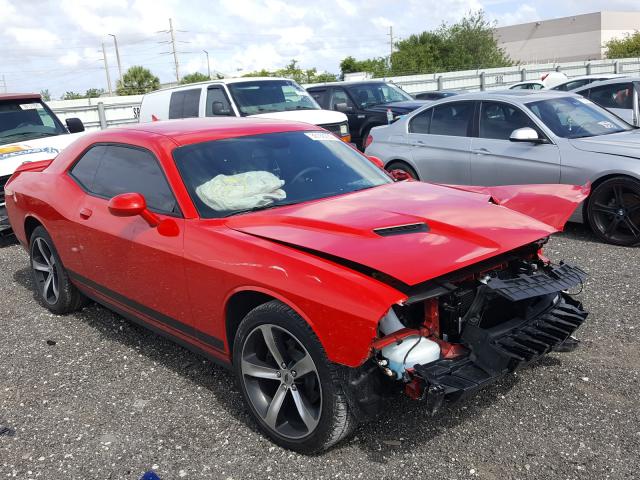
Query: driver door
(495, 160)
(124, 259)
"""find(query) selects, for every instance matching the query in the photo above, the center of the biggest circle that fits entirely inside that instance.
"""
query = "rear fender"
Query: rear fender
(38, 166)
(552, 204)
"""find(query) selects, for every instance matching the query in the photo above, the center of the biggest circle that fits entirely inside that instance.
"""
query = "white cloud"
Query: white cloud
(33, 36)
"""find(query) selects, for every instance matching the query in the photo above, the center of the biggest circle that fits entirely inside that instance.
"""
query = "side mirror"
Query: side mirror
(74, 125)
(130, 205)
(526, 134)
(376, 161)
(343, 107)
(218, 109)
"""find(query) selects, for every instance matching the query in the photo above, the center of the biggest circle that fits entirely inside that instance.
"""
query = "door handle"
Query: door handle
(85, 213)
(481, 151)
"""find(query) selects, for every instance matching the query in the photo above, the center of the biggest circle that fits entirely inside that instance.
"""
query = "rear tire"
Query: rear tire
(305, 410)
(398, 165)
(50, 279)
(613, 211)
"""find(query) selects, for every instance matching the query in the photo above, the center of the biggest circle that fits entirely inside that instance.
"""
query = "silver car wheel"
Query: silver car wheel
(281, 381)
(43, 263)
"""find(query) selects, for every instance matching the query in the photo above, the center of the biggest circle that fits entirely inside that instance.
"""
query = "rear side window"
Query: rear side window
(184, 103)
(421, 122)
(322, 97)
(619, 95)
(451, 119)
(109, 170)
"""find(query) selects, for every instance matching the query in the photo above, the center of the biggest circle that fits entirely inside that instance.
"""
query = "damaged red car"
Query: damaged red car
(277, 250)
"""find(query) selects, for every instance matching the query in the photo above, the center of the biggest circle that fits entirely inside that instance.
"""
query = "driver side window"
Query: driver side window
(339, 96)
(498, 120)
(217, 103)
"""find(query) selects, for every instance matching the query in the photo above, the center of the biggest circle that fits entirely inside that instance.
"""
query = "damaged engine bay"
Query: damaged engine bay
(459, 335)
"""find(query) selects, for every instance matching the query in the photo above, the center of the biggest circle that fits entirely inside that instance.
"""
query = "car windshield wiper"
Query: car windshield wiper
(257, 209)
(41, 134)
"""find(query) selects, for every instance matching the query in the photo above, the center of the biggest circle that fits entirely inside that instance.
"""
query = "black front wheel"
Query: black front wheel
(613, 211)
(289, 385)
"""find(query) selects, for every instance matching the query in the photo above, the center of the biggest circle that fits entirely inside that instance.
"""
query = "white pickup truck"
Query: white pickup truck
(268, 97)
(29, 131)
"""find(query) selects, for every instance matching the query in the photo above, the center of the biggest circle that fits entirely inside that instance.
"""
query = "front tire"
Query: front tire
(613, 211)
(289, 385)
(50, 279)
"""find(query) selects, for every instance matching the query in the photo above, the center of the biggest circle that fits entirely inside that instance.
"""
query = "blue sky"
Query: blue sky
(57, 45)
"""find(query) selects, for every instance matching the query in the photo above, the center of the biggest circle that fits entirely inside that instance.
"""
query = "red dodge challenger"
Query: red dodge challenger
(277, 250)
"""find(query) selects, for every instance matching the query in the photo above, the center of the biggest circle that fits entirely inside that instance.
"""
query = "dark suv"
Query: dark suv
(366, 104)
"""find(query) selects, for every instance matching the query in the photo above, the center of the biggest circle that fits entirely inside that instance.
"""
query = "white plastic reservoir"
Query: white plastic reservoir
(412, 350)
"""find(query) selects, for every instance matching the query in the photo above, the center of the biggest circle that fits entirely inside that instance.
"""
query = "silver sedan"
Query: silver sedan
(520, 137)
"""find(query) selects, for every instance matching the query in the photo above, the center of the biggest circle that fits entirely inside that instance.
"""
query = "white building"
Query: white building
(567, 39)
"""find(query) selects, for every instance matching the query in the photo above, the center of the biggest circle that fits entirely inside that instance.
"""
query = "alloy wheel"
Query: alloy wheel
(43, 263)
(281, 381)
(615, 213)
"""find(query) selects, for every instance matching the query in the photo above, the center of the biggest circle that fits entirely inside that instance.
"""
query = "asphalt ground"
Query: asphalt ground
(92, 396)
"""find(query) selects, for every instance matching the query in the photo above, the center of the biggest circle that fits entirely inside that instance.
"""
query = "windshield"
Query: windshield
(26, 120)
(571, 117)
(368, 95)
(267, 96)
(236, 175)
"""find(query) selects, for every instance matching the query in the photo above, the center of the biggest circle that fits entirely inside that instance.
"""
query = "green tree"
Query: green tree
(45, 94)
(293, 71)
(194, 78)
(137, 80)
(94, 92)
(628, 46)
(72, 96)
(465, 45)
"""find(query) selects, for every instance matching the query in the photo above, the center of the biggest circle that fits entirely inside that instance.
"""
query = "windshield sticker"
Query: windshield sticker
(18, 150)
(322, 136)
(606, 124)
(29, 106)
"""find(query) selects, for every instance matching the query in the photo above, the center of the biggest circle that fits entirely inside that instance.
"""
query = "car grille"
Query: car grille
(3, 181)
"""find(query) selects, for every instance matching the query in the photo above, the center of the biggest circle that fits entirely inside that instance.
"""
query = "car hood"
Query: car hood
(12, 155)
(624, 143)
(399, 108)
(462, 227)
(314, 117)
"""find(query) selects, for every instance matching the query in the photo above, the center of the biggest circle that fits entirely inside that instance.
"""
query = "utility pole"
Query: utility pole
(208, 64)
(390, 43)
(173, 47)
(106, 69)
(115, 43)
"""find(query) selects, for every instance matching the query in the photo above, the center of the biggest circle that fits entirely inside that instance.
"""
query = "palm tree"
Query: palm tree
(137, 80)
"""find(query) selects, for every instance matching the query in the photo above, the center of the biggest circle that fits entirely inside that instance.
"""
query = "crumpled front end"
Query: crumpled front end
(456, 335)
(5, 227)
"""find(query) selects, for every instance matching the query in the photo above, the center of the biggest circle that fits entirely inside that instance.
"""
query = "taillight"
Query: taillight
(544, 76)
(368, 141)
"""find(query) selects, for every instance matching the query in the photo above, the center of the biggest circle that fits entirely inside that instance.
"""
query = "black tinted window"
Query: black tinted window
(619, 95)
(217, 102)
(184, 104)
(109, 170)
(451, 119)
(84, 171)
(498, 120)
(321, 96)
(420, 123)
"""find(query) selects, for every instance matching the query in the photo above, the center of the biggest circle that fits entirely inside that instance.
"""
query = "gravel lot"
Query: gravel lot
(110, 400)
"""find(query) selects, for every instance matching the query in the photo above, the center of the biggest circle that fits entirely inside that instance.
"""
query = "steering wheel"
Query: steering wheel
(303, 172)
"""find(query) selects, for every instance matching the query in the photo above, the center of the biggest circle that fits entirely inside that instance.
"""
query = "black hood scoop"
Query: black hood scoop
(402, 229)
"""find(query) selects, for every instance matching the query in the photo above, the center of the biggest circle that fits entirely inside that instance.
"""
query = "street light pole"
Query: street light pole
(115, 43)
(208, 65)
(106, 69)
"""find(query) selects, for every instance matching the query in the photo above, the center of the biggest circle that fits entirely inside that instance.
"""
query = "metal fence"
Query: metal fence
(111, 111)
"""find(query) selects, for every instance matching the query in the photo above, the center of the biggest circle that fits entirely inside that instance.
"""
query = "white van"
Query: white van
(268, 97)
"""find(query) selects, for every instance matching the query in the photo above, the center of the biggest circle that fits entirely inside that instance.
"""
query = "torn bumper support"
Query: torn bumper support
(497, 351)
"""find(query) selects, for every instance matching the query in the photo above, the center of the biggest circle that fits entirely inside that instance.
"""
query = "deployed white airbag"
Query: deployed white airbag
(241, 191)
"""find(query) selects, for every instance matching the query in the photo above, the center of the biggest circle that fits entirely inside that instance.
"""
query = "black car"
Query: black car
(367, 104)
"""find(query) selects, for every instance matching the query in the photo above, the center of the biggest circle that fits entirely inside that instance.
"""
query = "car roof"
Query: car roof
(221, 81)
(18, 96)
(611, 81)
(195, 130)
(350, 83)
(517, 96)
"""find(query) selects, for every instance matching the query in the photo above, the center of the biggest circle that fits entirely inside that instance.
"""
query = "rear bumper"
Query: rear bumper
(497, 351)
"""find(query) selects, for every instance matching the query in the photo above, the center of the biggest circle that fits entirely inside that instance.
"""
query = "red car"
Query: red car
(279, 251)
